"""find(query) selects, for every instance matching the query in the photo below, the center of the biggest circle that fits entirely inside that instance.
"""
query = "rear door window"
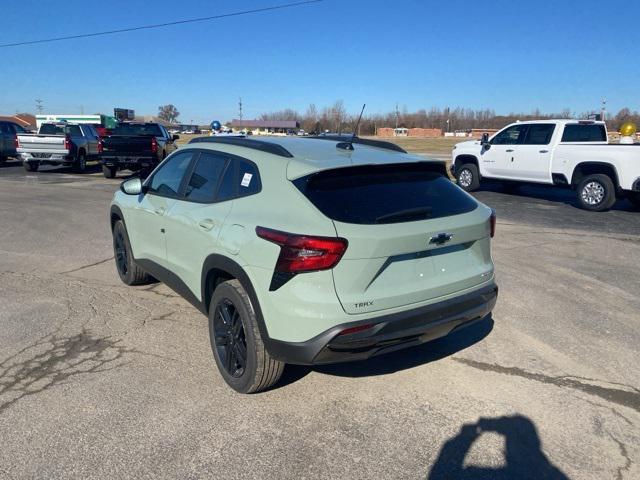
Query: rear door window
(383, 194)
(539, 134)
(584, 133)
(203, 183)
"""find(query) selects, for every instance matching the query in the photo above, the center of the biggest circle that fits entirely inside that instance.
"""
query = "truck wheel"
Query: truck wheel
(109, 172)
(468, 177)
(634, 198)
(596, 193)
(130, 273)
(31, 166)
(2, 159)
(237, 345)
(80, 165)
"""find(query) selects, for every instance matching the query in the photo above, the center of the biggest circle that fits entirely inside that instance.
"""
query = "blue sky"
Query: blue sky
(504, 55)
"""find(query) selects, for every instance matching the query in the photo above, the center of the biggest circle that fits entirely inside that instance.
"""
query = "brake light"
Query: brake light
(304, 253)
(67, 142)
(154, 145)
(100, 146)
(492, 223)
(16, 142)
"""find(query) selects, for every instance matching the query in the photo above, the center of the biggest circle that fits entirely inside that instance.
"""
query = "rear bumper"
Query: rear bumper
(388, 333)
(128, 159)
(51, 159)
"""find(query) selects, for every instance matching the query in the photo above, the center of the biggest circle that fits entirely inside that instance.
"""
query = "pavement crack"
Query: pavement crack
(625, 455)
(87, 266)
(628, 398)
(51, 360)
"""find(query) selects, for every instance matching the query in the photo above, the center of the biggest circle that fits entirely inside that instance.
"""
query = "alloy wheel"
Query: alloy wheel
(121, 253)
(593, 193)
(465, 178)
(230, 341)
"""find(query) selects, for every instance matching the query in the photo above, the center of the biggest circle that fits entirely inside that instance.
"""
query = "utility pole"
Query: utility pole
(81, 109)
(39, 107)
(240, 111)
(397, 115)
(603, 110)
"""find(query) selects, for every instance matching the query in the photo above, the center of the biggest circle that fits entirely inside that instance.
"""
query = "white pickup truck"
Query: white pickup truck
(567, 153)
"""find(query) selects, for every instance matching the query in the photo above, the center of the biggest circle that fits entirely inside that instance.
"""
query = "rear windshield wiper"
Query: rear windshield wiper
(408, 214)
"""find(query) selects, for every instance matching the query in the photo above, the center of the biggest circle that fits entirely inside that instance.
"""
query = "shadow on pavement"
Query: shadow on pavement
(545, 192)
(400, 360)
(523, 457)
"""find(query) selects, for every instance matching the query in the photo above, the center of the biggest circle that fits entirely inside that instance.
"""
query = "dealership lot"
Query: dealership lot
(101, 380)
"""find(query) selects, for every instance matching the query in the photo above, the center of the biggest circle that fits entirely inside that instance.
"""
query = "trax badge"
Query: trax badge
(441, 238)
(363, 304)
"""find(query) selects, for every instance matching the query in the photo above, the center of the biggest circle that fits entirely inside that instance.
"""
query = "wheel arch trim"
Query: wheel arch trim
(224, 264)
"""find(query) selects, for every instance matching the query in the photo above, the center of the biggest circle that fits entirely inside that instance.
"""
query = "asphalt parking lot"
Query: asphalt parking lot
(100, 380)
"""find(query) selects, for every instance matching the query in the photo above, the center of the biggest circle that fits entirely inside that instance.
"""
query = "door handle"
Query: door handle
(207, 224)
(510, 150)
(159, 211)
(544, 151)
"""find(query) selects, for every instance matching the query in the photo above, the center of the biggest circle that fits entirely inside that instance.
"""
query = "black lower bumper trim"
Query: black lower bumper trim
(388, 333)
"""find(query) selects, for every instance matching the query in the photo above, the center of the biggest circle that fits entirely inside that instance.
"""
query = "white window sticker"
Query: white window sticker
(246, 180)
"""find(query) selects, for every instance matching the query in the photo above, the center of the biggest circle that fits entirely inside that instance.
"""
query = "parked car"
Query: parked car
(307, 251)
(565, 153)
(8, 139)
(136, 146)
(62, 143)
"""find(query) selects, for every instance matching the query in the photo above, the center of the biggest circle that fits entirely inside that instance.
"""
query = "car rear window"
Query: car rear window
(137, 129)
(584, 133)
(382, 194)
(55, 129)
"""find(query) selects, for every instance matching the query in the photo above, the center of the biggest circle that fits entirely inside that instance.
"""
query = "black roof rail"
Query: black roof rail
(266, 147)
(362, 141)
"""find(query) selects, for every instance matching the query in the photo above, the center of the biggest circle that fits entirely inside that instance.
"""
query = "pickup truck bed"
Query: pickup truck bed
(137, 147)
(59, 144)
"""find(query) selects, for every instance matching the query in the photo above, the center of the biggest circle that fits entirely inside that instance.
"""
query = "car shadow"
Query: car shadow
(545, 192)
(523, 456)
(400, 360)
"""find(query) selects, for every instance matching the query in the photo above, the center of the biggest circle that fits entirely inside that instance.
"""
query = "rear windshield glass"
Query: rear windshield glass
(54, 129)
(584, 133)
(385, 194)
(137, 129)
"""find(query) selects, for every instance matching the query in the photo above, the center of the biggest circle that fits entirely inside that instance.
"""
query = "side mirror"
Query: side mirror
(176, 137)
(133, 186)
(485, 141)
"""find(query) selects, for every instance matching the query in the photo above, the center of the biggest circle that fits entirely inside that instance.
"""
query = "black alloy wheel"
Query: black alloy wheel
(230, 340)
(120, 247)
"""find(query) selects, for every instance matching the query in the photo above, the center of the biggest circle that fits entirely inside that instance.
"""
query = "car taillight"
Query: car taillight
(304, 253)
(154, 145)
(16, 142)
(67, 142)
(492, 223)
(100, 146)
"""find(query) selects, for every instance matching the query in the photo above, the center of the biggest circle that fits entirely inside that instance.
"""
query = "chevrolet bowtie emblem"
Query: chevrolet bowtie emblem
(441, 238)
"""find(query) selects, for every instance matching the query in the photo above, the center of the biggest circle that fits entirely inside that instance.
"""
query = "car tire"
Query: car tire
(468, 177)
(2, 159)
(596, 193)
(31, 166)
(634, 198)
(109, 172)
(130, 273)
(237, 345)
(80, 165)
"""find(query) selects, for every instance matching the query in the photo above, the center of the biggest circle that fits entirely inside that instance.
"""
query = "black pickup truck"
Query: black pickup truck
(136, 146)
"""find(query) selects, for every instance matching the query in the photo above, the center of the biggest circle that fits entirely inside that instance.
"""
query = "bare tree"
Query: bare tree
(168, 113)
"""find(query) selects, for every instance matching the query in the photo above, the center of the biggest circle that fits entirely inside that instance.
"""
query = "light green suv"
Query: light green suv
(307, 250)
